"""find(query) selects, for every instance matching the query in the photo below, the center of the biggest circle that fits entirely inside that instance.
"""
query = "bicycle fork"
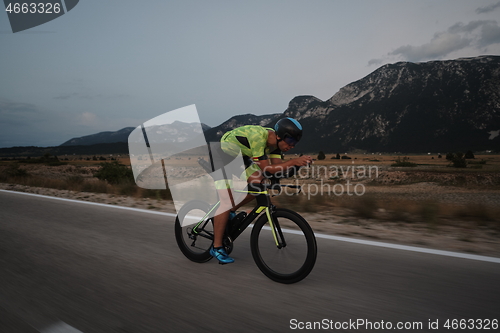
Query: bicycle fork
(279, 239)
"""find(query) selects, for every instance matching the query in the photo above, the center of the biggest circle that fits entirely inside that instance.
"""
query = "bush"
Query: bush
(458, 160)
(403, 162)
(365, 207)
(15, 171)
(469, 155)
(74, 181)
(429, 212)
(321, 155)
(115, 173)
(157, 194)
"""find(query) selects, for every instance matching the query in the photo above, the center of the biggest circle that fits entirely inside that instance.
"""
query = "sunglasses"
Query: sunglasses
(290, 141)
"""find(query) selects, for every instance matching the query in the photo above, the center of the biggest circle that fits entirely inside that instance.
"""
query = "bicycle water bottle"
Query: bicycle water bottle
(236, 221)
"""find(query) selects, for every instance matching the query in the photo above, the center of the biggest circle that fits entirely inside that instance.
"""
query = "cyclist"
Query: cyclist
(262, 149)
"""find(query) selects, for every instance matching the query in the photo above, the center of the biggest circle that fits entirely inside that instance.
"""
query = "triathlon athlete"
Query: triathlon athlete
(262, 150)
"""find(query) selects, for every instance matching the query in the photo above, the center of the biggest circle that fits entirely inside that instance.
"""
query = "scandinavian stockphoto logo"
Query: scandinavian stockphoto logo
(26, 15)
(170, 151)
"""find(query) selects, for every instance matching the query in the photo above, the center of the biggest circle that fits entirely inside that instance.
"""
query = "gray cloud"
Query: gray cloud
(440, 45)
(490, 34)
(8, 107)
(487, 9)
(466, 28)
(475, 34)
(375, 62)
(66, 96)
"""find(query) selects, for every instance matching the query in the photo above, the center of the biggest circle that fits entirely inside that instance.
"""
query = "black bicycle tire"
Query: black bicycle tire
(189, 206)
(312, 250)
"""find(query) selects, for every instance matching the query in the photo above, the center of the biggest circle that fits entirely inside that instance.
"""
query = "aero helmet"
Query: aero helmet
(289, 130)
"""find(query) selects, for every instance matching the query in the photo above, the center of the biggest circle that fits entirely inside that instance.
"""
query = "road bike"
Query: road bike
(283, 244)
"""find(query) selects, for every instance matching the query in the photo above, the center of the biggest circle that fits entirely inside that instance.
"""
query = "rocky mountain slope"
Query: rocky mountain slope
(409, 107)
(436, 106)
(102, 137)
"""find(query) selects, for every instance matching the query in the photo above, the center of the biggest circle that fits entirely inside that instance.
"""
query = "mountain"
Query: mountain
(102, 137)
(175, 132)
(215, 133)
(408, 107)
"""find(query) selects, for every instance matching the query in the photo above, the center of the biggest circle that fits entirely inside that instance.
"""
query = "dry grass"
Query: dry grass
(73, 178)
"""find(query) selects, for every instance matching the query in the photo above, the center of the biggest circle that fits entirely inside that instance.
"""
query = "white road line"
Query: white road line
(94, 203)
(412, 248)
(318, 235)
(60, 327)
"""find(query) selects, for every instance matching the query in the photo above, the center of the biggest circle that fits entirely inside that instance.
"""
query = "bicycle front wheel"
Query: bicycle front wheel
(195, 245)
(294, 260)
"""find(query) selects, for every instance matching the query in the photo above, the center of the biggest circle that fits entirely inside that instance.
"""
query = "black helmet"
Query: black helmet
(289, 130)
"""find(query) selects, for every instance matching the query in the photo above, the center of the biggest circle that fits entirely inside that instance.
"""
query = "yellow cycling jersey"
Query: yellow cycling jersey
(251, 141)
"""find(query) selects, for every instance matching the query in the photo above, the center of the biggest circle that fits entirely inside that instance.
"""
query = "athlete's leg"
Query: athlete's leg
(222, 215)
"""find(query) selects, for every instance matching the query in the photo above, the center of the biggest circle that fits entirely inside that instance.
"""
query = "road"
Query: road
(91, 268)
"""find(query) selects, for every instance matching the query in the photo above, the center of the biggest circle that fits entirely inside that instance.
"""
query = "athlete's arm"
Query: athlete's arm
(277, 165)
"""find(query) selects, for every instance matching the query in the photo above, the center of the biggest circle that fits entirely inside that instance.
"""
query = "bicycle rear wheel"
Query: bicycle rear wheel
(194, 245)
(292, 262)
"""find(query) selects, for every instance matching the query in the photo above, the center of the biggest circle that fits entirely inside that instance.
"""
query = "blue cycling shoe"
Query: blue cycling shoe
(221, 255)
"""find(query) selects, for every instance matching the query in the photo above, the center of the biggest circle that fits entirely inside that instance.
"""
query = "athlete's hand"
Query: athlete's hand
(303, 160)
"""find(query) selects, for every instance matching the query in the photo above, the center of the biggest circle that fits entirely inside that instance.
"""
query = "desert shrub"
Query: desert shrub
(127, 188)
(429, 212)
(403, 162)
(458, 160)
(99, 186)
(481, 162)
(115, 173)
(45, 159)
(365, 206)
(469, 155)
(15, 171)
(476, 212)
(157, 194)
(74, 181)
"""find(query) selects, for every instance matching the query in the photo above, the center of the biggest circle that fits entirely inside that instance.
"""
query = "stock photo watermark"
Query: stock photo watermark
(25, 15)
(334, 180)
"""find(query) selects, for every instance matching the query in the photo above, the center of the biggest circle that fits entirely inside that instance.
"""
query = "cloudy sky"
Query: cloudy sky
(106, 65)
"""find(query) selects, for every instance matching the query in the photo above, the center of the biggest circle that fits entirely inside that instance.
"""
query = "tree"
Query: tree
(469, 155)
(458, 160)
(115, 173)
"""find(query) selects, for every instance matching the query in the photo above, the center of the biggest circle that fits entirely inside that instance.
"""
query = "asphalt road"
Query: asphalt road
(75, 267)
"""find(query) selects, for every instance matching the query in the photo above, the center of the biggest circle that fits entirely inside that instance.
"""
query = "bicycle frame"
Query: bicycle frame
(263, 205)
